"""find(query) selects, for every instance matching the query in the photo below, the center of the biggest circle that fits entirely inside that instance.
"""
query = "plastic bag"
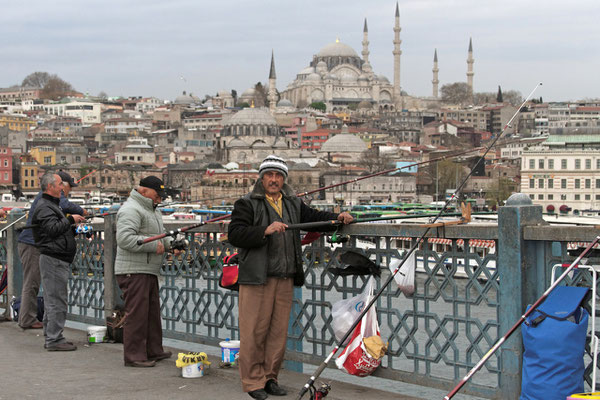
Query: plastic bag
(355, 359)
(405, 278)
(345, 312)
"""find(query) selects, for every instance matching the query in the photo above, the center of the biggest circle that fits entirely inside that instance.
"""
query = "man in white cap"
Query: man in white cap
(270, 266)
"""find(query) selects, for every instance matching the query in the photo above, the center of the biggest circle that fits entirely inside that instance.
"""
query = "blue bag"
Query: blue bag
(554, 342)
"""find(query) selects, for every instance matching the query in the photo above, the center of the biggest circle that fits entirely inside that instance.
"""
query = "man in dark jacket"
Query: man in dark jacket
(54, 236)
(30, 256)
(270, 265)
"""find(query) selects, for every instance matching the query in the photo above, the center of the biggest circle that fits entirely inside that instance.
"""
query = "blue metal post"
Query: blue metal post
(294, 345)
(517, 276)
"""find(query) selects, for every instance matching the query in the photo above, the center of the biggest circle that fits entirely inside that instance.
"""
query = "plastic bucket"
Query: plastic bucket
(193, 370)
(229, 350)
(595, 395)
(96, 334)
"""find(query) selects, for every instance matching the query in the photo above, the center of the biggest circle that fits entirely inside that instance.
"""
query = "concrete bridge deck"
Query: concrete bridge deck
(97, 372)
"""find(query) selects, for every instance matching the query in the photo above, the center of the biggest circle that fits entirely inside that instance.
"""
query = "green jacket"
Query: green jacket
(138, 219)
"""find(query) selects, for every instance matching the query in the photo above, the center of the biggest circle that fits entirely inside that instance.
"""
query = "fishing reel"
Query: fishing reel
(179, 244)
(321, 392)
(84, 230)
(336, 238)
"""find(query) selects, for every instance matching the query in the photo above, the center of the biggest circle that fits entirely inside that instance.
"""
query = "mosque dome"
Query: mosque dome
(363, 77)
(321, 67)
(285, 103)
(186, 99)
(237, 142)
(223, 93)
(331, 76)
(382, 78)
(344, 143)
(251, 116)
(337, 49)
(365, 105)
(306, 71)
(314, 77)
(249, 92)
(231, 165)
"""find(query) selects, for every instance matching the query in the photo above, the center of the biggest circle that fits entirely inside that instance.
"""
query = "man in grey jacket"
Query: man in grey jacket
(137, 268)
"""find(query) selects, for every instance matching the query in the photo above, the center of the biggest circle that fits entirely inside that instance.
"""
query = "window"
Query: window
(550, 183)
(598, 197)
(532, 183)
(93, 180)
(77, 159)
(551, 164)
(27, 174)
(588, 163)
(563, 196)
(597, 183)
(532, 197)
(577, 197)
(540, 197)
(563, 164)
(577, 164)
(541, 163)
(531, 163)
(577, 183)
(563, 183)
(47, 160)
(6, 176)
(588, 183)
(109, 180)
(550, 197)
(6, 163)
(588, 196)
(598, 163)
(541, 183)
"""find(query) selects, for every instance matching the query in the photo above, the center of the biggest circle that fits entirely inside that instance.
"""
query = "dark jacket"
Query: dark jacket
(26, 235)
(249, 220)
(53, 233)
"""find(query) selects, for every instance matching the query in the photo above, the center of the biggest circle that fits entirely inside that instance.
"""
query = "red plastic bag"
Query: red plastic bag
(355, 359)
(229, 275)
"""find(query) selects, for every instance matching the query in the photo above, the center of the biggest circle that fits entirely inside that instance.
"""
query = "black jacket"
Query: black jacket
(53, 233)
(249, 220)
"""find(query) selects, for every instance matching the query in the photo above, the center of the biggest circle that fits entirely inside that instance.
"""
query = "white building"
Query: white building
(563, 173)
(138, 151)
(87, 111)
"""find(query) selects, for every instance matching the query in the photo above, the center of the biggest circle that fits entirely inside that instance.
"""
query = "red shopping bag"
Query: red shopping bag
(229, 275)
(355, 359)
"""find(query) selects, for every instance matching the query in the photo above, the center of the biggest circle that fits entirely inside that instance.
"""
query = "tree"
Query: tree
(102, 94)
(243, 105)
(318, 105)
(56, 88)
(36, 79)
(500, 191)
(373, 161)
(456, 93)
(499, 95)
(260, 95)
(234, 95)
(447, 174)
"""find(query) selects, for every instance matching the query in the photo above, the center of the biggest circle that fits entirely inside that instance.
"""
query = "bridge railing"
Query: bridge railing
(473, 283)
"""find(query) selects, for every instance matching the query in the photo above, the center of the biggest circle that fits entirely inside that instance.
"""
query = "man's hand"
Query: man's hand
(275, 227)
(2, 213)
(78, 218)
(160, 248)
(345, 217)
(85, 213)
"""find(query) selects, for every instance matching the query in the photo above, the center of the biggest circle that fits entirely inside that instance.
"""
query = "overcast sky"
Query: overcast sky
(144, 47)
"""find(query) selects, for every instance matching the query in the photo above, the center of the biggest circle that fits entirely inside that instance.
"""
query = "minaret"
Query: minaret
(272, 97)
(435, 70)
(365, 43)
(470, 62)
(397, 52)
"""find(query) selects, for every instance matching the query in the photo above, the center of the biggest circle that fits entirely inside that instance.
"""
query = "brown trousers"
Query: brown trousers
(264, 313)
(142, 331)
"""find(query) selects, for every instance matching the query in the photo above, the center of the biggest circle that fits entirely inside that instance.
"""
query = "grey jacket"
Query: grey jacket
(138, 219)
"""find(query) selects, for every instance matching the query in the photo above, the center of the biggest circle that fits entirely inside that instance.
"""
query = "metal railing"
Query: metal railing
(465, 297)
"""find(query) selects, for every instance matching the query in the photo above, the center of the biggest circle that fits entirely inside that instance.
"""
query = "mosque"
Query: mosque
(339, 77)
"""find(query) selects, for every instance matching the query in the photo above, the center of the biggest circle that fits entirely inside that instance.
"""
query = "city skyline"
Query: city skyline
(150, 48)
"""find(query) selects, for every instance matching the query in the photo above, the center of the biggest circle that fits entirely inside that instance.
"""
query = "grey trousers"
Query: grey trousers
(30, 259)
(55, 278)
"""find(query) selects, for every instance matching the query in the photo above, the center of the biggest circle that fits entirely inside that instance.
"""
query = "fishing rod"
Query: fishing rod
(12, 223)
(181, 230)
(310, 383)
(85, 176)
(531, 309)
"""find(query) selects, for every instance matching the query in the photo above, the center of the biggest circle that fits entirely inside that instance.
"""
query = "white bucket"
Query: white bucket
(229, 350)
(96, 334)
(193, 370)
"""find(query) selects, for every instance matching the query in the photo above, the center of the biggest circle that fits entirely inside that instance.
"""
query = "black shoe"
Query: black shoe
(259, 394)
(273, 388)
(161, 356)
